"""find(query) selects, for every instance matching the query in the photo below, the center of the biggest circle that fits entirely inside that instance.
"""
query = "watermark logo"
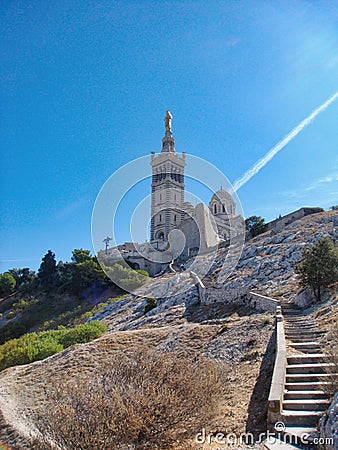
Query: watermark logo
(280, 434)
(279, 427)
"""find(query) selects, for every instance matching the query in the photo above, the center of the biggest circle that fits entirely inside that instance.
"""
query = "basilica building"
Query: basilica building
(170, 211)
(178, 229)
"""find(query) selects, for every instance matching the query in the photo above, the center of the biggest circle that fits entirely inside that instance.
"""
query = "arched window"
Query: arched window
(160, 217)
(223, 208)
(175, 218)
(215, 208)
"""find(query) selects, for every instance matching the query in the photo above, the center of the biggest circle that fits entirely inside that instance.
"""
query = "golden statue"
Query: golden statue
(167, 121)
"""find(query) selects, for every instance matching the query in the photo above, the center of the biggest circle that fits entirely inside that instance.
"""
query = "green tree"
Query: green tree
(76, 277)
(255, 225)
(47, 274)
(79, 255)
(7, 284)
(22, 276)
(319, 266)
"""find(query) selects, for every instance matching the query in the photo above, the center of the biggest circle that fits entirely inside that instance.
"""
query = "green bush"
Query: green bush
(125, 277)
(143, 272)
(84, 332)
(151, 304)
(7, 284)
(36, 346)
(10, 315)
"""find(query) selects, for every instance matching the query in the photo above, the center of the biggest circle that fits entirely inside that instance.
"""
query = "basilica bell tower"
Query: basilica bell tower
(167, 187)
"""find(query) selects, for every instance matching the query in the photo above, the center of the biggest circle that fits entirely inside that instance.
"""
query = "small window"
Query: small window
(175, 218)
(215, 208)
(160, 218)
(223, 208)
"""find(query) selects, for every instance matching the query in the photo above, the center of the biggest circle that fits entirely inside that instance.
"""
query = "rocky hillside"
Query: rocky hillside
(226, 329)
(266, 266)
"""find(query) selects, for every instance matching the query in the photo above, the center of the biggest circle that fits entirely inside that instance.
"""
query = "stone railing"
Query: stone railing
(275, 401)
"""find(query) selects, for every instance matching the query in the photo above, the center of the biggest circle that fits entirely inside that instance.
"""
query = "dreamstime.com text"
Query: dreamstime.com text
(232, 439)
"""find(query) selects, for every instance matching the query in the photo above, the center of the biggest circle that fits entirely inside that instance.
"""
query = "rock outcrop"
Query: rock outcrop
(266, 266)
(329, 426)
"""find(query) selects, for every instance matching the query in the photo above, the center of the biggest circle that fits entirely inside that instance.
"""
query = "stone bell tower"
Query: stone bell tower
(167, 187)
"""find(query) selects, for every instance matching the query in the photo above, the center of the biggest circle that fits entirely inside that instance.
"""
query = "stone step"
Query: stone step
(300, 418)
(301, 377)
(300, 435)
(304, 394)
(308, 359)
(300, 327)
(305, 344)
(304, 332)
(306, 350)
(298, 323)
(296, 319)
(308, 368)
(301, 339)
(292, 314)
(294, 330)
(306, 386)
(306, 405)
(310, 336)
(299, 317)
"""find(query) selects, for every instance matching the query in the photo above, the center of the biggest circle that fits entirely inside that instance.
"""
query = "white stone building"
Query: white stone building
(204, 228)
(170, 211)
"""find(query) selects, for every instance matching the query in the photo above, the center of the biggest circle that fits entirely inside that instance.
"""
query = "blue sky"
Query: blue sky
(85, 85)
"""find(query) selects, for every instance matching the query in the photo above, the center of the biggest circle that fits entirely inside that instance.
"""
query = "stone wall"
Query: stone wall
(283, 221)
(242, 297)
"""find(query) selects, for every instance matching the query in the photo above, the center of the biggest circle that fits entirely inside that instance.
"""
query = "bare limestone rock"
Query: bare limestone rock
(329, 425)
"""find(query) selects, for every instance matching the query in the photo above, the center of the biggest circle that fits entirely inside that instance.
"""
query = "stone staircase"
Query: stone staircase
(308, 372)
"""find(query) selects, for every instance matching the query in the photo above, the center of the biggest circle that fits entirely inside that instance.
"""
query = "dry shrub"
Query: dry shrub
(143, 400)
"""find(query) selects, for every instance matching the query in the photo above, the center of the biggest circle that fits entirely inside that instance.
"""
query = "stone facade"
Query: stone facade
(178, 228)
(203, 228)
(167, 187)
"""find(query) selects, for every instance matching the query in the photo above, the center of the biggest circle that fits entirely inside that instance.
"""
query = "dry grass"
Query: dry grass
(242, 407)
(145, 400)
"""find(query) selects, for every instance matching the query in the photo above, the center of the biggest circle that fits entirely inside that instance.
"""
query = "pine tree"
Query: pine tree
(319, 266)
(47, 273)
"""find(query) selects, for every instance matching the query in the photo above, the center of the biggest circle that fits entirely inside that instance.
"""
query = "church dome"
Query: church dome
(221, 194)
(222, 203)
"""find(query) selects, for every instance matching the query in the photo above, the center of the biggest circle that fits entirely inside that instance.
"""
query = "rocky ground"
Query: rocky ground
(244, 343)
(266, 266)
(240, 336)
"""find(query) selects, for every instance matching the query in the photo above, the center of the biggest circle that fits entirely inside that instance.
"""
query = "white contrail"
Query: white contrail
(281, 144)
